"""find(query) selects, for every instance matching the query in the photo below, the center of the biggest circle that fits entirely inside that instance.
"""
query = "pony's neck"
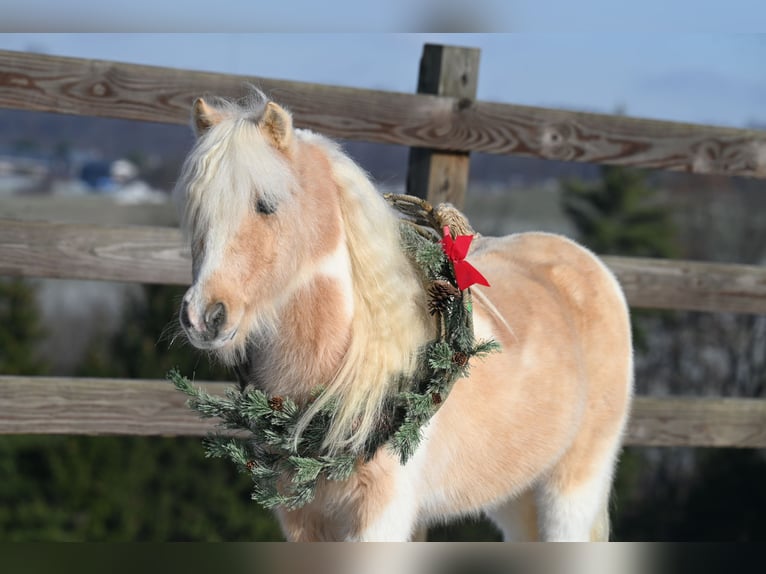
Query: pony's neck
(311, 333)
(356, 331)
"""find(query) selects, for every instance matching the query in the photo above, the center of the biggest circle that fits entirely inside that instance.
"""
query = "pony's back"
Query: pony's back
(546, 416)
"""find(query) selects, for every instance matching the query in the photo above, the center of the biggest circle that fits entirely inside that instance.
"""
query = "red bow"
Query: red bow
(456, 250)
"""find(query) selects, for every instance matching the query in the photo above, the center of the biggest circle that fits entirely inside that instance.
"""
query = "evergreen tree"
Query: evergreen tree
(149, 342)
(20, 329)
(79, 488)
(619, 215)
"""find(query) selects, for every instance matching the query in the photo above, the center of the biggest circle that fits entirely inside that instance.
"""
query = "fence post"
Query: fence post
(440, 176)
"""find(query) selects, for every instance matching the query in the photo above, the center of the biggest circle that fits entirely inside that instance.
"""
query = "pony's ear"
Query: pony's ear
(278, 124)
(204, 116)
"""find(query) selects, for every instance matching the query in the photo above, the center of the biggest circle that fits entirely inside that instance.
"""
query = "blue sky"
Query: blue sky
(556, 16)
(716, 78)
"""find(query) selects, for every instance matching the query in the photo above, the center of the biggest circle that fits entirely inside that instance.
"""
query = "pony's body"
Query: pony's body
(305, 284)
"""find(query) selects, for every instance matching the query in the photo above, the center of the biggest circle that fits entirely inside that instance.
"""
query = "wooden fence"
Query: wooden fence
(442, 123)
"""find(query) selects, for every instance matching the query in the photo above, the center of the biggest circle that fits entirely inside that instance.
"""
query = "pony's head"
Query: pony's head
(258, 220)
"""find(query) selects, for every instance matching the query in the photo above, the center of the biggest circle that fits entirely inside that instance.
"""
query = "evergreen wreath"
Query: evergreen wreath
(285, 472)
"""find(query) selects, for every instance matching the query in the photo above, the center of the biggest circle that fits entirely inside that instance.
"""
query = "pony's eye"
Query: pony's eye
(264, 207)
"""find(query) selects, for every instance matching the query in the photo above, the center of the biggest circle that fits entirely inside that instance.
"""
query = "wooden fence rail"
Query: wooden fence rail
(109, 89)
(156, 255)
(147, 408)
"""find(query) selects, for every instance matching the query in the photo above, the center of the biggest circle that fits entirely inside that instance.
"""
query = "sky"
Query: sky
(712, 77)
(535, 16)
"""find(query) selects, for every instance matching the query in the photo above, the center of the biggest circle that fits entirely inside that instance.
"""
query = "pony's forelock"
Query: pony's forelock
(230, 168)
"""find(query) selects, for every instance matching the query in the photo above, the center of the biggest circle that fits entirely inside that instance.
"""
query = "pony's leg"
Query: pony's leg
(396, 522)
(392, 503)
(573, 502)
(390, 513)
(516, 518)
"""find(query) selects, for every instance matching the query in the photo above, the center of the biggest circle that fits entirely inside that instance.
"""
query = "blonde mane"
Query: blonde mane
(390, 321)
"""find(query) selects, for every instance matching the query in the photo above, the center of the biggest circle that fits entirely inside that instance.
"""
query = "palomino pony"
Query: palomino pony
(299, 278)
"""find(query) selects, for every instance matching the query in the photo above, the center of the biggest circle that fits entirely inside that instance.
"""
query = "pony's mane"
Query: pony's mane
(390, 321)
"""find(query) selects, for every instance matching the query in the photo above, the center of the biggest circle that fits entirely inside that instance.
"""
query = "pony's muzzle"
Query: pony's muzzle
(213, 320)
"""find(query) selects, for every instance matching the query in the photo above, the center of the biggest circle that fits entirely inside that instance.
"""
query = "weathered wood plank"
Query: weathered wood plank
(439, 176)
(30, 405)
(109, 89)
(683, 421)
(78, 251)
(690, 285)
(101, 208)
(156, 255)
(615, 140)
(97, 407)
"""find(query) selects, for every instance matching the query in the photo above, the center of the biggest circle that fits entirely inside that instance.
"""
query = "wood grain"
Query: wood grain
(77, 251)
(91, 208)
(684, 421)
(156, 255)
(691, 285)
(110, 89)
(97, 407)
(441, 176)
(30, 405)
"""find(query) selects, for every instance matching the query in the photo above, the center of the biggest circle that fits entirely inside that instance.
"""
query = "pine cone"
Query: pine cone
(460, 359)
(250, 465)
(436, 398)
(276, 403)
(385, 425)
(441, 293)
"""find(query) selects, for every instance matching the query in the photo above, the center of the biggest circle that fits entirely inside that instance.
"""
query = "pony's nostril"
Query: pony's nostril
(184, 315)
(215, 316)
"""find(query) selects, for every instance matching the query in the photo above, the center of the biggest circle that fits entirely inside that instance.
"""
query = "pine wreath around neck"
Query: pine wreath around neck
(285, 472)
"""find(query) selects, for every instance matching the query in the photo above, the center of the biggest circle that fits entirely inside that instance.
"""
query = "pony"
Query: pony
(299, 281)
